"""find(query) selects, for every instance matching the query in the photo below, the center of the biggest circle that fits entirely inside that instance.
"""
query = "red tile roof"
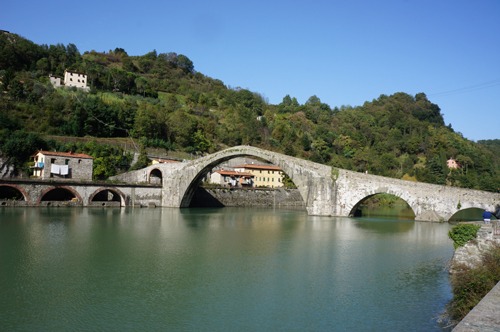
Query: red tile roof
(233, 173)
(263, 167)
(65, 154)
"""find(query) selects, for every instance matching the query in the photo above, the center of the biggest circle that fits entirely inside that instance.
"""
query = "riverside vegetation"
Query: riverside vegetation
(158, 100)
(471, 284)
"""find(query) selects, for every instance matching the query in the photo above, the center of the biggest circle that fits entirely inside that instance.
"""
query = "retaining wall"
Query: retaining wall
(243, 197)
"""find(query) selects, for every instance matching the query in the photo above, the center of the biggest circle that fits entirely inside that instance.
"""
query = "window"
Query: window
(52, 160)
(79, 161)
(66, 161)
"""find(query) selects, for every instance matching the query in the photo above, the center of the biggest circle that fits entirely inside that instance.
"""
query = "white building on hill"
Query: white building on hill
(71, 79)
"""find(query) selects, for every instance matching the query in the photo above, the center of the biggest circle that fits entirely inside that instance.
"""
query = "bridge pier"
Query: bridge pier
(320, 197)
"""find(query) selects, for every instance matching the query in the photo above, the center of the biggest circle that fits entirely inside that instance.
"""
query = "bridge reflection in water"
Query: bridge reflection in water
(232, 269)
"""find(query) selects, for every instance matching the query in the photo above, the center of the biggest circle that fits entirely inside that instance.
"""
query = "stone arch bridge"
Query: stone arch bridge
(326, 191)
(69, 193)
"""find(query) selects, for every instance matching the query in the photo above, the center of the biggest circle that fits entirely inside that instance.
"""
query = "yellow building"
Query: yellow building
(264, 175)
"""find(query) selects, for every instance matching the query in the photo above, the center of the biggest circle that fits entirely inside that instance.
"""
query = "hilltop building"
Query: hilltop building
(71, 79)
(452, 163)
(62, 165)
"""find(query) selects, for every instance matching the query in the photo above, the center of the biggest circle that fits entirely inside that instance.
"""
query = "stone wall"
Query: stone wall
(243, 197)
(485, 315)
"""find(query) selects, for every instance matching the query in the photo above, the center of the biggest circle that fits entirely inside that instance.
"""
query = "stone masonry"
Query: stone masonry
(326, 191)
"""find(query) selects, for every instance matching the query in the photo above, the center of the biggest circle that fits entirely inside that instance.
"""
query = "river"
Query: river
(226, 269)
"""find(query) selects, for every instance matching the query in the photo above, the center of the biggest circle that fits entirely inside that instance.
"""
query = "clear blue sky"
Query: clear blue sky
(344, 52)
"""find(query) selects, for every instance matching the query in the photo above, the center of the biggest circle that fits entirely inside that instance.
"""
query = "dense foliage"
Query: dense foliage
(161, 101)
(462, 233)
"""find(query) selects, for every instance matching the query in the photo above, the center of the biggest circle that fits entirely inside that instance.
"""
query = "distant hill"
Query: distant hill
(159, 100)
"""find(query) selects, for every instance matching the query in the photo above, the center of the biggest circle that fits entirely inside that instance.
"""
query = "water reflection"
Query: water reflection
(394, 211)
(218, 269)
(384, 226)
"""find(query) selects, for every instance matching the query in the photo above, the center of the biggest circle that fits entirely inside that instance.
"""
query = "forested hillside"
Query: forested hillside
(160, 100)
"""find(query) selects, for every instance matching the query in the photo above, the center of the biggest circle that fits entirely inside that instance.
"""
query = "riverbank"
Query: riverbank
(485, 315)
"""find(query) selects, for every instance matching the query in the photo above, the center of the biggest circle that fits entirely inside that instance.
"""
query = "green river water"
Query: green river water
(227, 269)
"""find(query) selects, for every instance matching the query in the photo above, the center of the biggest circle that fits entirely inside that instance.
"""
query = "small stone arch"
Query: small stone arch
(155, 176)
(10, 194)
(472, 213)
(60, 195)
(353, 210)
(108, 197)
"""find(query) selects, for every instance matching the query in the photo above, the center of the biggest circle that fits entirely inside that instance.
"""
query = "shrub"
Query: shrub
(470, 285)
(463, 233)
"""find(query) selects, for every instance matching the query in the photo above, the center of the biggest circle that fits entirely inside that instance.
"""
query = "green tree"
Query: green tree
(19, 146)
(16, 90)
(437, 170)
(200, 142)
(185, 64)
(183, 126)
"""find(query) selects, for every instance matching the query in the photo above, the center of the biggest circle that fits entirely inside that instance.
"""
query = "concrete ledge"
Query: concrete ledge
(485, 317)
